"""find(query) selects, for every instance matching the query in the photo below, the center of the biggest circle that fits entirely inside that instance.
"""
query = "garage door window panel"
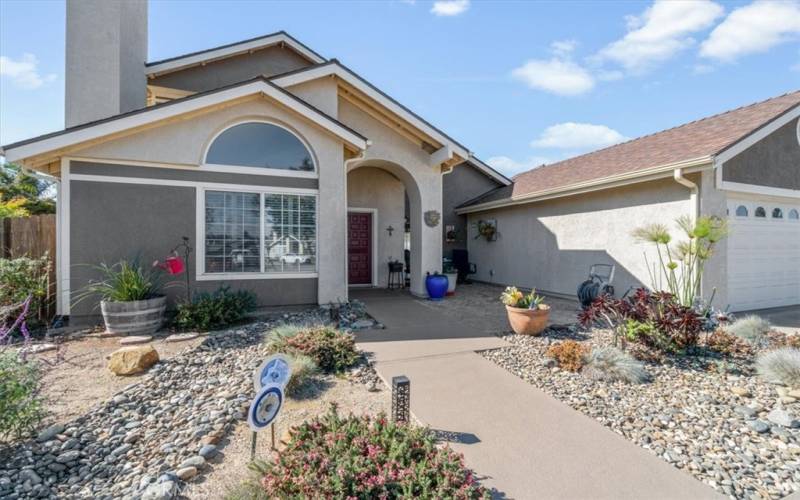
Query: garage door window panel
(761, 212)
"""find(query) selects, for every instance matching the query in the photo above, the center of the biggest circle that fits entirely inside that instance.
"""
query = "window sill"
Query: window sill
(254, 276)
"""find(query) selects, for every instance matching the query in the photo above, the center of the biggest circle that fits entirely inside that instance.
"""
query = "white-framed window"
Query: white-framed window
(256, 233)
(741, 211)
(260, 147)
(761, 212)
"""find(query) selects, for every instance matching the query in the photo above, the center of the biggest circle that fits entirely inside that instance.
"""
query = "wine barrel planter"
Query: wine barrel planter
(139, 317)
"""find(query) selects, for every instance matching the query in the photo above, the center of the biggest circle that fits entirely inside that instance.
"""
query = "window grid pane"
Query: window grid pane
(290, 233)
(233, 232)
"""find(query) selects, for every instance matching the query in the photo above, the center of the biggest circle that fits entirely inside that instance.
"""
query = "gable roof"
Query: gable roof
(56, 141)
(336, 68)
(691, 144)
(157, 68)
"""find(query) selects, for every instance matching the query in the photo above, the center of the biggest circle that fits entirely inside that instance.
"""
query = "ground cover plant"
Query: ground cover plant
(216, 309)
(333, 350)
(22, 278)
(333, 456)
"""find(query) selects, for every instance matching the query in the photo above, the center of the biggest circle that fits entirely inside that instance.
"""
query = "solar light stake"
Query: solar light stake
(272, 430)
(401, 399)
(253, 446)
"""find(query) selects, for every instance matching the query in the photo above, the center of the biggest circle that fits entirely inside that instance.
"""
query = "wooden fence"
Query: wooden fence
(32, 237)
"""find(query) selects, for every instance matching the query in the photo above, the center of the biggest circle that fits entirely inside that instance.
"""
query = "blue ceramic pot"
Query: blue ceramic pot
(436, 285)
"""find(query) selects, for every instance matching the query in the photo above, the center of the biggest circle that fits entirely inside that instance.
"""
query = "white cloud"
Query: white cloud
(24, 72)
(450, 7)
(660, 32)
(558, 76)
(577, 136)
(753, 28)
(510, 167)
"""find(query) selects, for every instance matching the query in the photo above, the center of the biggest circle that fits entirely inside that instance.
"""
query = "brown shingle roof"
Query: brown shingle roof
(697, 139)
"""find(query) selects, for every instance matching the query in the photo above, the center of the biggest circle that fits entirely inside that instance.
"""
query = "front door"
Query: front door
(359, 248)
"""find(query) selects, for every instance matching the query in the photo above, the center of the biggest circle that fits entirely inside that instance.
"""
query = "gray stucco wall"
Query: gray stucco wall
(270, 61)
(464, 183)
(550, 245)
(113, 221)
(774, 161)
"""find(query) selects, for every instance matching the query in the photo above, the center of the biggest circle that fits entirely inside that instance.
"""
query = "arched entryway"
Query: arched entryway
(377, 190)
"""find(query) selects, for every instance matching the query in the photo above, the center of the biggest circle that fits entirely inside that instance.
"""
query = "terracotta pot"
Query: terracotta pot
(527, 321)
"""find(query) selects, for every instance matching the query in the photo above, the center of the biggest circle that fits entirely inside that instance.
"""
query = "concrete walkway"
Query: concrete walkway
(522, 441)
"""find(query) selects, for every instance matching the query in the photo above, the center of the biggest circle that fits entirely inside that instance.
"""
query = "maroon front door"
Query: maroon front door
(359, 248)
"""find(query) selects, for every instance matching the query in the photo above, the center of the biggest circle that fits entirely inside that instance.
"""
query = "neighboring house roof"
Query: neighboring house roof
(694, 143)
(75, 135)
(334, 67)
(164, 66)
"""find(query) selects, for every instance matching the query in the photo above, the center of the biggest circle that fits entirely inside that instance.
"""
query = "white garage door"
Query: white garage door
(763, 254)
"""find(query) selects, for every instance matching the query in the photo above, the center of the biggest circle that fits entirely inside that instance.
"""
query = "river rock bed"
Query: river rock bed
(151, 437)
(712, 418)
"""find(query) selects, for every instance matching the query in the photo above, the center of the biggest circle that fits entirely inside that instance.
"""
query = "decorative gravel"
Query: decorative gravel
(150, 438)
(711, 418)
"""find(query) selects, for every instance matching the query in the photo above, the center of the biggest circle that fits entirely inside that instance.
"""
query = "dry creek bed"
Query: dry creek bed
(177, 431)
(715, 426)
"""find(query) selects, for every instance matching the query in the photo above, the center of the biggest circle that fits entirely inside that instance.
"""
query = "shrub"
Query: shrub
(361, 457)
(22, 278)
(780, 365)
(515, 298)
(125, 281)
(725, 343)
(654, 319)
(21, 407)
(303, 371)
(751, 328)
(333, 350)
(569, 354)
(216, 309)
(609, 363)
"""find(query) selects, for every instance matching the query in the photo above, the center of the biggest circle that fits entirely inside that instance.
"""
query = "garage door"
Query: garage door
(763, 254)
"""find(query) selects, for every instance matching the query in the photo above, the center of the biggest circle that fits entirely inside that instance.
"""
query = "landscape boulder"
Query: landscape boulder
(132, 359)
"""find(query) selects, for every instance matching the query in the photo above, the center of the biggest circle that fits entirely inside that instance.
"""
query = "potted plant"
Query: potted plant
(452, 276)
(130, 298)
(527, 314)
(436, 284)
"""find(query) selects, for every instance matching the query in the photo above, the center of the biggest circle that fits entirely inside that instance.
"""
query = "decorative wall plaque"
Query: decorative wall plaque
(432, 218)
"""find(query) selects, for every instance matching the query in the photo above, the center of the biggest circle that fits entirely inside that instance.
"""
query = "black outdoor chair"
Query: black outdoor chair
(463, 265)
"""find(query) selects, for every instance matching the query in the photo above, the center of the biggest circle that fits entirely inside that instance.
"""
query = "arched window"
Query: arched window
(741, 211)
(793, 214)
(260, 145)
(760, 212)
(777, 213)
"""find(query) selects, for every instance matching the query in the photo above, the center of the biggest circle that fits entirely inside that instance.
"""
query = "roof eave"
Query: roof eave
(660, 172)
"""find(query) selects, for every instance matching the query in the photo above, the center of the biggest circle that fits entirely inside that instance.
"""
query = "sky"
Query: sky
(520, 83)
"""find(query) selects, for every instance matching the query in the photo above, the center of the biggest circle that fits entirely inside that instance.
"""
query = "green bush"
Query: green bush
(333, 350)
(23, 277)
(303, 371)
(216, 309)
(361, 457)
(20, 404)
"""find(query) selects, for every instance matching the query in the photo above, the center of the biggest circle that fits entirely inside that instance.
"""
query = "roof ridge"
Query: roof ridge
(698, 120)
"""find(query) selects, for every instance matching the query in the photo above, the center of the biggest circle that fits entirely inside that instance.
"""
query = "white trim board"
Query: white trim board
(182, 62)
(374, 212)
(193, 184)
(123, 123)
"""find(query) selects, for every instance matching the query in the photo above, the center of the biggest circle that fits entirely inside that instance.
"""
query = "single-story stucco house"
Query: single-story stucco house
(555, 221)
(295, 178)
(261, 152)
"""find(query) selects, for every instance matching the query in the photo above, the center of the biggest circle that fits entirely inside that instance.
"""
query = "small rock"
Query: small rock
(186, 473)
(196, 461)
(135, 339)
(363, 323)
(37, 348)
(745, 411)
(68, 456)
(165, 490)
(759, 426)
(783, 417)
(787, 400)
(741, 392)
(794, 393)
(29, 475)
(373, 387)
(50, 433)
(207, 451)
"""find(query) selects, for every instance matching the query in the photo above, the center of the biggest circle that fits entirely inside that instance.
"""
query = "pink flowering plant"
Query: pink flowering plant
(362, 457)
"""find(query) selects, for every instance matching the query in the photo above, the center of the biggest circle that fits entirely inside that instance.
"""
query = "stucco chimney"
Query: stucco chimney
(106, 52)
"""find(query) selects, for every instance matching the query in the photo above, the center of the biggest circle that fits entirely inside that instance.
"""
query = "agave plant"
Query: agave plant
(680, 265)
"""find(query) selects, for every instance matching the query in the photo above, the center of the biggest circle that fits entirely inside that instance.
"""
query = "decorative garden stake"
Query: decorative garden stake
(401, 399)
(269, 381)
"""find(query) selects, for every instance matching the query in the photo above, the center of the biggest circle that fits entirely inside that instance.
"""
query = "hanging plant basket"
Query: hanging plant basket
(487, 229)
